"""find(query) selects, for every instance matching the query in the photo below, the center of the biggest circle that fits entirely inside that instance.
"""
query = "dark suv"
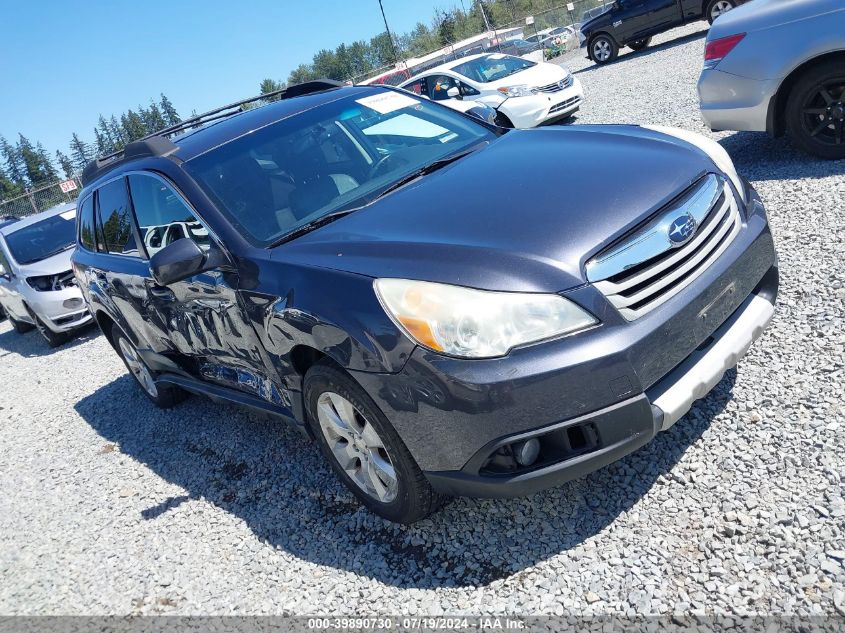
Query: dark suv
(632, 23)
(409, 286)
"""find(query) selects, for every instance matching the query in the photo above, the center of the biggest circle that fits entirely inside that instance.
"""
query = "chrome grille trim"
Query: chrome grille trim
(647, 286)
(563, 105)
(557, 86)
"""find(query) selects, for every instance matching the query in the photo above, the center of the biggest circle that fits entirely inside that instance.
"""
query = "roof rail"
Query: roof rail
(157, 143)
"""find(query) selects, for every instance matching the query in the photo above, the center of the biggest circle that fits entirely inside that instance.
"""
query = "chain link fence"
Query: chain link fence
(535, 27)
(41, 198)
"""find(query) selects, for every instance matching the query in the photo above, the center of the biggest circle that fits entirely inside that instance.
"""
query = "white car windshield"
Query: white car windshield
(492, 67)
(43, 239)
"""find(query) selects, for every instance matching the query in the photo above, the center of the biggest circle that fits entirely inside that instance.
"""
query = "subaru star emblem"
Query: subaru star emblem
(682, 229)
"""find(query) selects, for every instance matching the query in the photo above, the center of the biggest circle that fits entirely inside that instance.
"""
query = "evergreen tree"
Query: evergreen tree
(80, 153)
(270, 85)
(104, 147)
(117, 134)
(133, 126)
(31, 161)
(171, 117)
(12, 158)
(47, 168)
(65, 163)
(154, 118)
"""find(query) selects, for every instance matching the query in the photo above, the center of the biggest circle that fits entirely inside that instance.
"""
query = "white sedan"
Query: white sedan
(524, 93)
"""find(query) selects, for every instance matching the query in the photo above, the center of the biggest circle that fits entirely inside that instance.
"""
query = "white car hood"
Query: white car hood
(539, 75)
(54, 265)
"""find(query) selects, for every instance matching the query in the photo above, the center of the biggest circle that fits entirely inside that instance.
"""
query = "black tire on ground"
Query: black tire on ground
(54, 339)
(501, 120)
(715, 8)
(162, 395)
(815, 111)
(639, 44)
(414, 498)
(603, 49)
(19, 326)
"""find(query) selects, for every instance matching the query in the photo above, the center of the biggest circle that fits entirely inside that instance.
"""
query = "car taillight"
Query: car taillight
(716, 50)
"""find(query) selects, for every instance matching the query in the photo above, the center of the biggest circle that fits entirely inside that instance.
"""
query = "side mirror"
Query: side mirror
(453, 93)
(181, 259)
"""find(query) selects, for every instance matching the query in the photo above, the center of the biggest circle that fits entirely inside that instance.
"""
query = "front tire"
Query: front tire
(54, 339)
(639, 44)
(603, 49)
(363, 448)
(815, 111)
(19, 326)
(717, 7)
(162, 395)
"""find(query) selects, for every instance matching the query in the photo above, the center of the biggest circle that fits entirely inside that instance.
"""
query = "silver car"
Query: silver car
(37, 286)
(778, 66)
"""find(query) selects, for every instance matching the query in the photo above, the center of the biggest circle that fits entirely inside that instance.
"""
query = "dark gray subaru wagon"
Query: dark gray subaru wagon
(448, 308)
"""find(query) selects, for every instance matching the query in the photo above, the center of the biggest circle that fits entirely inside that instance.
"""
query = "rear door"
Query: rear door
(638, 19)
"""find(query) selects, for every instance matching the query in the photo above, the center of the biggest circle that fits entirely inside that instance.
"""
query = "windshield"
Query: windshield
(333, 157)
(43, 239)
(492, 67)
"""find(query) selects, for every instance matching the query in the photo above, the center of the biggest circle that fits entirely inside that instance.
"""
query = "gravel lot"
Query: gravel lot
(108, 505)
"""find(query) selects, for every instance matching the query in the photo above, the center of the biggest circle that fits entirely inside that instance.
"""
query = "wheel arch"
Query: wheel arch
(776, 119)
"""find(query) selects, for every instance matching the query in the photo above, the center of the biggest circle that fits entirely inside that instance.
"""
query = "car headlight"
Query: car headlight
(522, 90)
(710, 147)
(470, 323)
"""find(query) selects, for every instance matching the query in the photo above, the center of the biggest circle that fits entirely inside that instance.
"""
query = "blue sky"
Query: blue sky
(62, 64)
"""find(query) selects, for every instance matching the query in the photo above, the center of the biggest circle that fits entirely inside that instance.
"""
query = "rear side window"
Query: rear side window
(163, 217)
(86, 224)
(116, 219)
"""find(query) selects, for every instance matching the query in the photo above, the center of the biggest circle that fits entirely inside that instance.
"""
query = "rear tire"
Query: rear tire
(715, 8)
(379, 470)
(54, 339)
(161, 395)
(815, 111)
(639, 44)
(603, 49)
(19, 326)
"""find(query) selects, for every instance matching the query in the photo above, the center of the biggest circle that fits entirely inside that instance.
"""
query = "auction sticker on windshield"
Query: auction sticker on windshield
(386, 102)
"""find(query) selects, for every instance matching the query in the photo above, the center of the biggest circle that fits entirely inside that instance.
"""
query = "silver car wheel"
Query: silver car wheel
(601, 50)
(357, 447)
(723, 6)
(138, 368)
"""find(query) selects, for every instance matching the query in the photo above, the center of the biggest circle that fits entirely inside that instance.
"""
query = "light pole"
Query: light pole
(389, 36)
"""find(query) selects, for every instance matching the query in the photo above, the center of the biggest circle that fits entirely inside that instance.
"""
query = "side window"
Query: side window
(86, 224)
(162, 215)
(417, 87)
(438, 87)
(5, 269)
(116, 219)
(467, 90)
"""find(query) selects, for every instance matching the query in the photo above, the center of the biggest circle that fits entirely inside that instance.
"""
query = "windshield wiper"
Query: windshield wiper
(313, 224)
(61, 249)
(336, 215)
(424, 171)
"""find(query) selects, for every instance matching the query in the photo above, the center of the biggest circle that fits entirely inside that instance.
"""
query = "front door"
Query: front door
(638, 19)
(201, 316)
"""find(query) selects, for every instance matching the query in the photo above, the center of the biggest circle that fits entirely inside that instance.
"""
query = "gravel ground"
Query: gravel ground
(108, 505)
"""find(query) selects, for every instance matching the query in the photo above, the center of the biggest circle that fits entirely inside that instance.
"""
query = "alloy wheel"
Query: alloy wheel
(601, 50)
(138, 368)
(722, 6)
(357, 447)
(823, 113)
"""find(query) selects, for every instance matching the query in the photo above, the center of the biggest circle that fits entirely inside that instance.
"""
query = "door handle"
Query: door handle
(161, 293)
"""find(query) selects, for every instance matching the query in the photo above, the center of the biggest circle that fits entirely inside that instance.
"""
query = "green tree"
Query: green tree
(65, 163)
(47, 168)
(133, 126)
(153, 118)
(14, 165)
(303, 72)
(117, 133)
(80, 153)
(36, 171)
(171, 117)
(270, 85)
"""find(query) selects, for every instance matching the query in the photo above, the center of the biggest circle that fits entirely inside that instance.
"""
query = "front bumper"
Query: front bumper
(61, 310)
(731, 102)
(606, 385)
(527, 112)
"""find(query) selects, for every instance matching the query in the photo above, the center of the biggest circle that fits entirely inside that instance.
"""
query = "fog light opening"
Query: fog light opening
(526, 453)
(75, 302)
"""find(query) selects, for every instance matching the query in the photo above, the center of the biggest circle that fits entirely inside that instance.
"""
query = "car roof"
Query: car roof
(8, 229)
(450, 65)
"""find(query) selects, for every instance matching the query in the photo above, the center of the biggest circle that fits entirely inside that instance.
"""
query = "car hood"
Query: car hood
(540, 75)
(524, 214)
(764, 14)
(54, 265)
